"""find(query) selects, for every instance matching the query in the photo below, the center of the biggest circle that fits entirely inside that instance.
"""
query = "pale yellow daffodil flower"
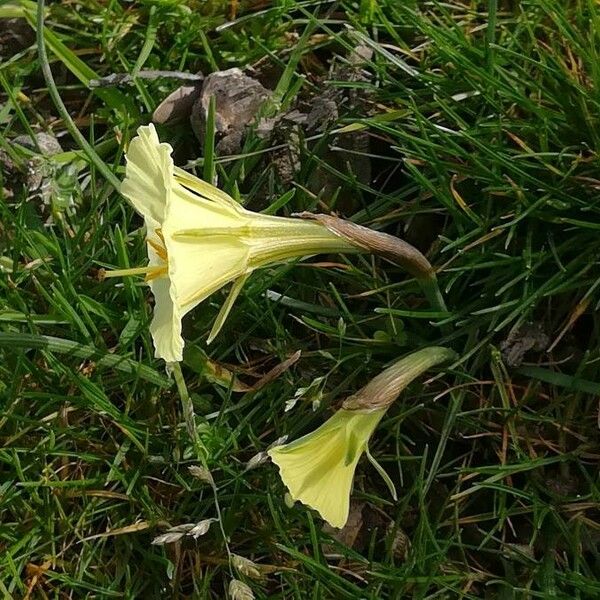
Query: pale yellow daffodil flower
(318, 469)
(199, 239)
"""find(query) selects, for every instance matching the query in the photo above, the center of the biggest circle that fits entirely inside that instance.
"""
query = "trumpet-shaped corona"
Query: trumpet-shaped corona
(199, 239)
(318, 469)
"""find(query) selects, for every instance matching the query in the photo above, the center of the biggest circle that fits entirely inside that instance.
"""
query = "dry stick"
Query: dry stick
(62, 109)
(115, 79)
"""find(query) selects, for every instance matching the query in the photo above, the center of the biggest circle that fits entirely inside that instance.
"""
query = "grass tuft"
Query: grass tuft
(470, 129)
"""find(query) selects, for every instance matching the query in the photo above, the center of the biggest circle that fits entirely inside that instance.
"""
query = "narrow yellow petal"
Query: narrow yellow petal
(236, 288)
(204, 189)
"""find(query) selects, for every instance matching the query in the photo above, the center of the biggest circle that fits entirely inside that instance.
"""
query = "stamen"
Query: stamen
(157, 272)
(127, 272)
(160, 250)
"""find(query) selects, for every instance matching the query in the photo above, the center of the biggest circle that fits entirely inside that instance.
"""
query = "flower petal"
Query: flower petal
(333, 500)
(148, 174)
(166, 324)
(204, 189)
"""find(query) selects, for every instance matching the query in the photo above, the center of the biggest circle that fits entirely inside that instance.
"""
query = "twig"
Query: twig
(115, 79)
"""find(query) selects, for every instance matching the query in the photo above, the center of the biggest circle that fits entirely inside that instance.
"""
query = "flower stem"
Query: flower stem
(199, 447)
(390, 247)
(431, 290)
(383, 389)
(188, 414)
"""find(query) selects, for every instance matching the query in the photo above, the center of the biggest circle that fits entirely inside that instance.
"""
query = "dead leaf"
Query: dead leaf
(400, 544)
(348, 534)
(529, 336)
(134, 528)
(276, 371)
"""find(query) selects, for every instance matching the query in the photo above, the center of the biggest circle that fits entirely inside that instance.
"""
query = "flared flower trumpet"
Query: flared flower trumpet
(199, 239)
(318, 469)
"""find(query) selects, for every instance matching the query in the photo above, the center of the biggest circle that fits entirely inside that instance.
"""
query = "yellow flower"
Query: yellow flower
(199, 239)
(318, 469)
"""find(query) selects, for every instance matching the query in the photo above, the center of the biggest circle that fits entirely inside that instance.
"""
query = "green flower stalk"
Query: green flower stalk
(199, 239)
(318, 469)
